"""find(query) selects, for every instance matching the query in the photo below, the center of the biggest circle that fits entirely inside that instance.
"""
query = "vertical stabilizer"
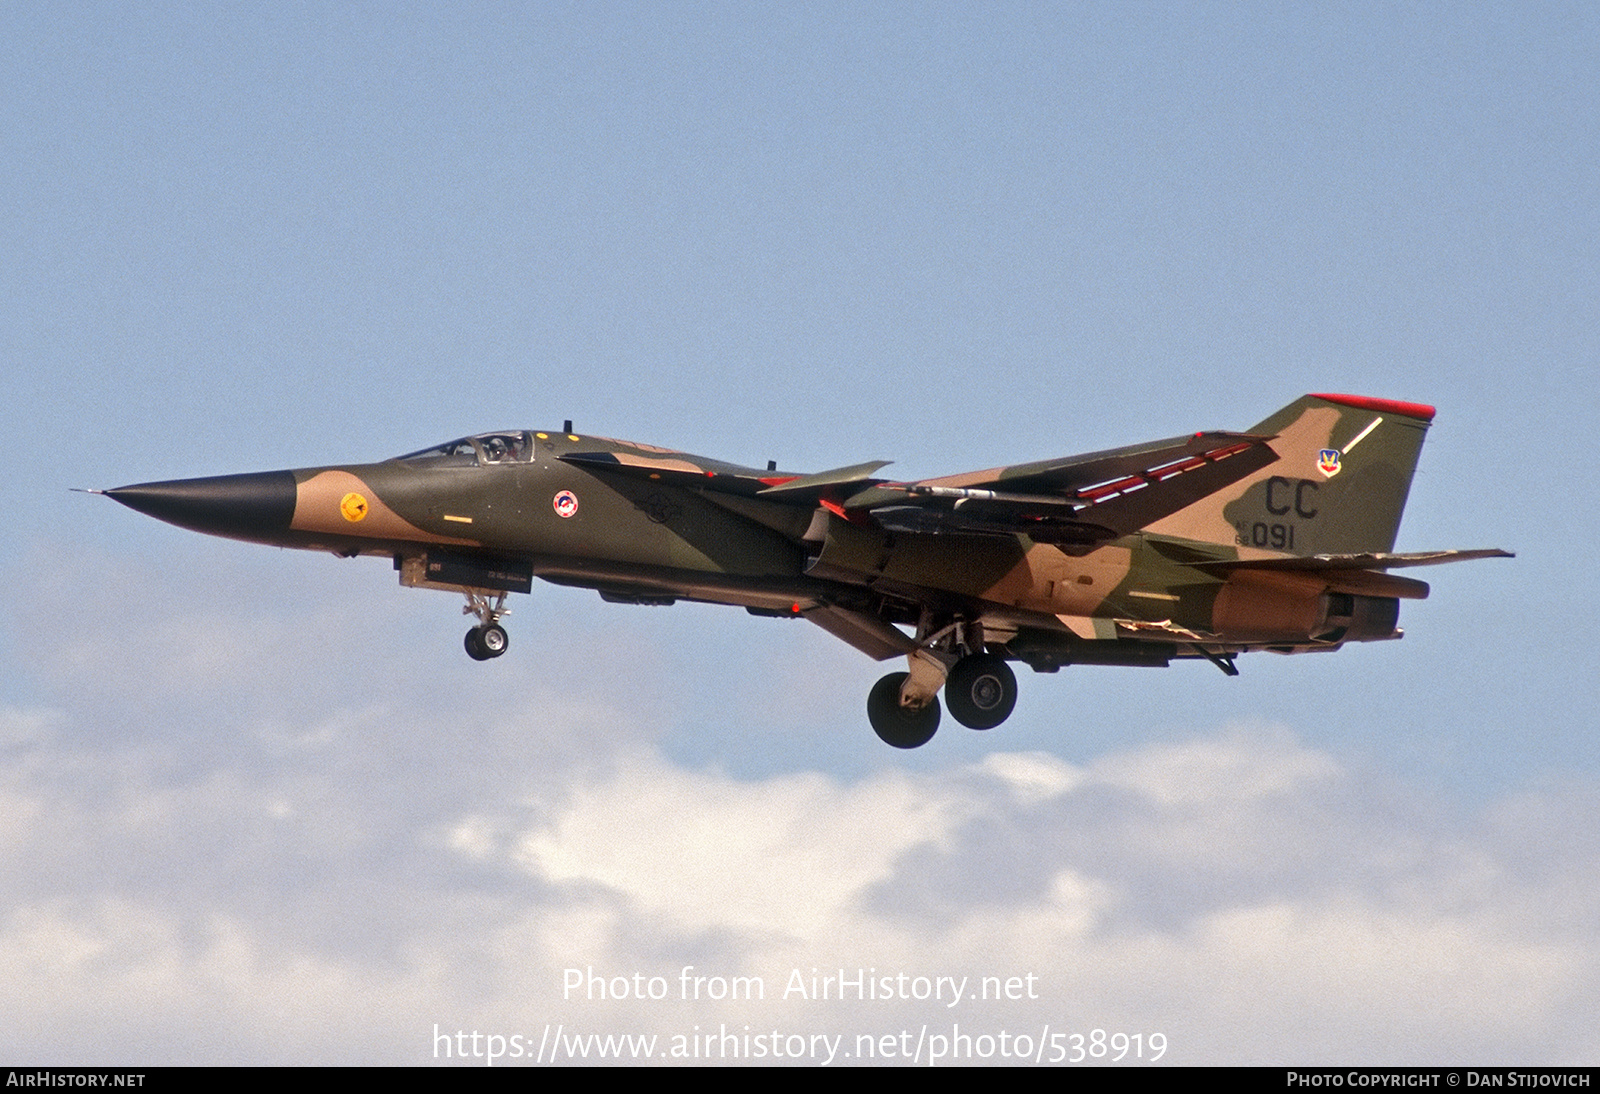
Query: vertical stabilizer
(1338, 487)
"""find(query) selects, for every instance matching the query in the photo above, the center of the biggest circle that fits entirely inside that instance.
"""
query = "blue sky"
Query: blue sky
(258, 806)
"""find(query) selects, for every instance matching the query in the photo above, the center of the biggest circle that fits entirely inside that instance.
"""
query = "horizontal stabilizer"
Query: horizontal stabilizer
(1376, 560)
(1363, 574)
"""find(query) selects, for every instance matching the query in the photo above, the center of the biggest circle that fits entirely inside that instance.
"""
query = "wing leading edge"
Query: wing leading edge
(1078, 500)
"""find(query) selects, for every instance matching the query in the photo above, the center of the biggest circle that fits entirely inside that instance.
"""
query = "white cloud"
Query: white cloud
(322, 898)
(1033, 776)
(21, 727)
(788, 855)
(1243, 767)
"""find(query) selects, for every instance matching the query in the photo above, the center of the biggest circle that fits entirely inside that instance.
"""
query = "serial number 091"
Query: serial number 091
(1114, 1047)
(1261, 534)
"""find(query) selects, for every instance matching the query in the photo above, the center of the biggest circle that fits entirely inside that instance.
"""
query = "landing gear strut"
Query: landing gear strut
(488, 639)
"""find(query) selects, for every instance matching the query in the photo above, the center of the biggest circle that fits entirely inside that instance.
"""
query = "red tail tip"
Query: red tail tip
(1421, 411)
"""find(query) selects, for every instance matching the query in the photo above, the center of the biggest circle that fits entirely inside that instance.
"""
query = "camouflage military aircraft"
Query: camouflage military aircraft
(1201, 546)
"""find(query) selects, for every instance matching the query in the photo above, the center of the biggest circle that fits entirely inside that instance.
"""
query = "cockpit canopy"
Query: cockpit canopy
(486, 448)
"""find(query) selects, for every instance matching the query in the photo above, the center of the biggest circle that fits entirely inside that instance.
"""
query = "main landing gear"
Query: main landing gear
(981, 691)
(979, 687)
(488, 639)
(899, 725)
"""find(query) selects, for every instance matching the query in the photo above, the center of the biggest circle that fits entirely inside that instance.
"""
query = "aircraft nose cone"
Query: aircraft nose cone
(254, 507)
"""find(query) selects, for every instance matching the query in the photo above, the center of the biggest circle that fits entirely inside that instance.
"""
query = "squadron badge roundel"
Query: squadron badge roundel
(566, 504)
(353, 507)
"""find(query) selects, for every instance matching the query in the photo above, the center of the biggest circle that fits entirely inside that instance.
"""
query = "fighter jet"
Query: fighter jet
(1198, 547)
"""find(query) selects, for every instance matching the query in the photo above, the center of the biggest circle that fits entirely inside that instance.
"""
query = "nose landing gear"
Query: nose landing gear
(488, 639)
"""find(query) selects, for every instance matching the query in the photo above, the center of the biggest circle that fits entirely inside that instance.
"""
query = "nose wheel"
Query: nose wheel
(488, 639)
